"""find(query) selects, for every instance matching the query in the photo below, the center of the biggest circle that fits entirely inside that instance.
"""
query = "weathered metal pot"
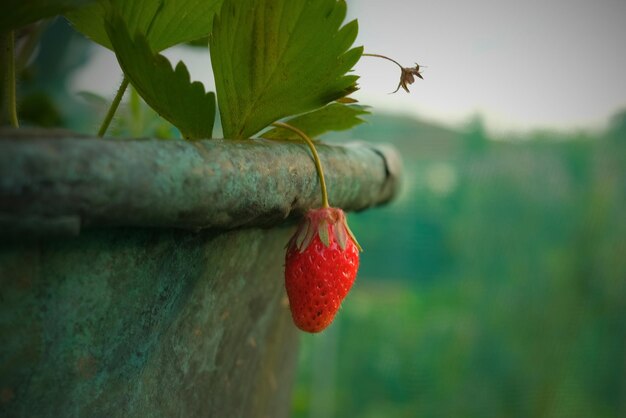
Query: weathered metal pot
(144, 277)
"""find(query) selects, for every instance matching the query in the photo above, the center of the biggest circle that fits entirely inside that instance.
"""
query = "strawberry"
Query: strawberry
(320, 267)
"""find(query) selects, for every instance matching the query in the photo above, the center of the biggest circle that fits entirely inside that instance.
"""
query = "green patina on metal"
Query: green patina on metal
(152, 323)
(75, 183)
(168, 300)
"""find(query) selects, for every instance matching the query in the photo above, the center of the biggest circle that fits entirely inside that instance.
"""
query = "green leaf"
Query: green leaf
(277, 58)
(200, 42)
(18, 13)
(333, 117)
(168, 91)
(164, 22)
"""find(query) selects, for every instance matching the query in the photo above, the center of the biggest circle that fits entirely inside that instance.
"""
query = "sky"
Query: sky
(521, 65)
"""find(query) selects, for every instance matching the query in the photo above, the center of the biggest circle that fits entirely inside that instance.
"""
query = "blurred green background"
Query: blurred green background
(494, 286)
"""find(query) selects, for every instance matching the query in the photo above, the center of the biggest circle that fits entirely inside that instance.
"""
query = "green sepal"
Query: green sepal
(310, 233)
(322, 231)
(352, 236)
(302, 232)
(340, 235)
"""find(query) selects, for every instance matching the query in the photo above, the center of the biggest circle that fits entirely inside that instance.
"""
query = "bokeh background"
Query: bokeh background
(495, 285)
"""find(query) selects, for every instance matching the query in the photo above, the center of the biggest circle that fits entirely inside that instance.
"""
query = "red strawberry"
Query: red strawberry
(320, 267)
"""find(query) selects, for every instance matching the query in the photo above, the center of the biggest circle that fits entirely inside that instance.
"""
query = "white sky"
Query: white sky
(521, 64)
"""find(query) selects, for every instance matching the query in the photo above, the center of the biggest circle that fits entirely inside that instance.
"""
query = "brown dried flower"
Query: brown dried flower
(407, 74)
(407, 77)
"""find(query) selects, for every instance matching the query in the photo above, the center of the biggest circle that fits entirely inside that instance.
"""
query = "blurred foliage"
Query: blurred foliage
(39, 109)
(495, 286)
(43, 95)
(18, 13)
(46, 100)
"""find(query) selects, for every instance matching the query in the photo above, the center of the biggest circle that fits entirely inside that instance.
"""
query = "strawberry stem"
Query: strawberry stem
(316, 158)
(113, 107)
(384, 57)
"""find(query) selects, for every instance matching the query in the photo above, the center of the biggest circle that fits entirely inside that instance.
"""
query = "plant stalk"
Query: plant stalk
(113, 108)
(10, 100)
(316, 158)
(384, 57)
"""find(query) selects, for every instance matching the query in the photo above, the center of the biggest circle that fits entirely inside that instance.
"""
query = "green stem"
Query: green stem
(384, 57)
(9, 78)
(316, 158)
(113, 108)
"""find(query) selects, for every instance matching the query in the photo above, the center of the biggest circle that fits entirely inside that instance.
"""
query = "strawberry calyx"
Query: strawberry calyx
(328, 223)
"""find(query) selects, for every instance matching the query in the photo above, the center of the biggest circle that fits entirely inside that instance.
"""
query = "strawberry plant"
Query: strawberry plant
(282, 71)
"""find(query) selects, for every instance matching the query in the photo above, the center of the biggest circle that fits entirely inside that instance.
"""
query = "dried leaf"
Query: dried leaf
(407, 77)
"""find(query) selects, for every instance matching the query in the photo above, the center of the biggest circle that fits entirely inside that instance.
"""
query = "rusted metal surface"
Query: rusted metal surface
(146, 323)
(62, 185)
